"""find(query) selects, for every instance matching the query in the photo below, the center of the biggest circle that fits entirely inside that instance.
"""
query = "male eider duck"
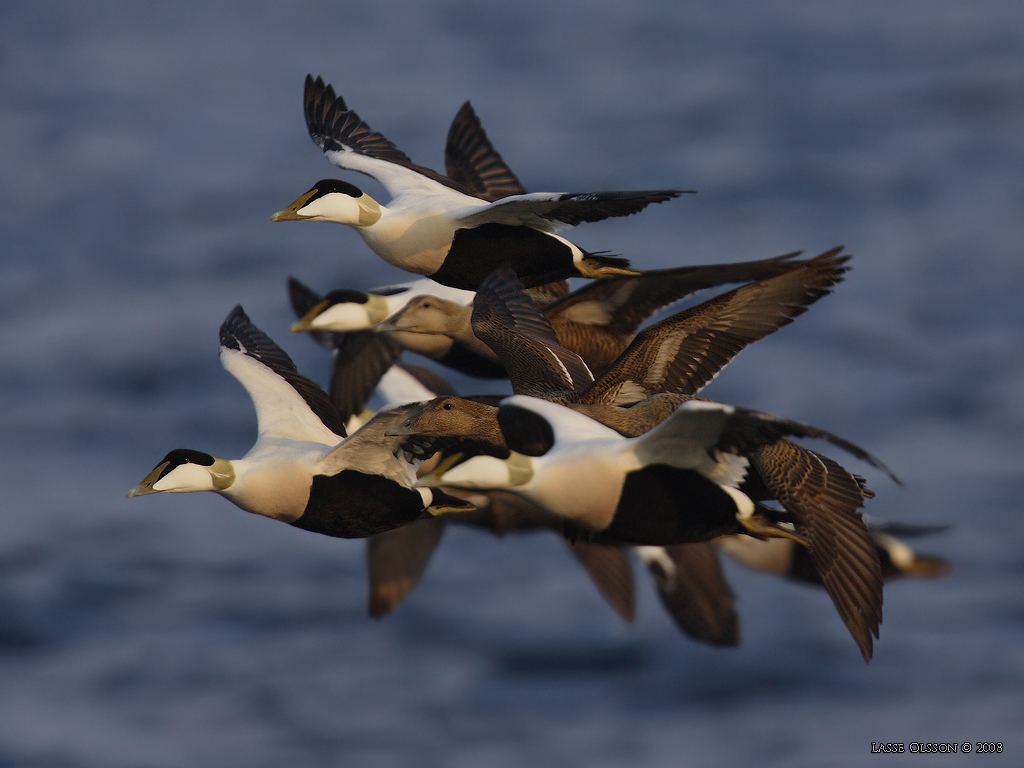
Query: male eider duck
(678, 483)
(345, 321)
(688, 480)
(437, 227)
(302, 470)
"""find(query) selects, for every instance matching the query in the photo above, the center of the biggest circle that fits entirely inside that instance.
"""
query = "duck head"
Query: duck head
(343, 312)
(335, 201)
(186, 471)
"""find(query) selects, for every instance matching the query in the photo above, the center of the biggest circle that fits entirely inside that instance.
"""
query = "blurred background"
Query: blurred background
(145, 148)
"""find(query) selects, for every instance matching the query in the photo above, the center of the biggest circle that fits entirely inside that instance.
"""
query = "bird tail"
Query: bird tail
(601, 265)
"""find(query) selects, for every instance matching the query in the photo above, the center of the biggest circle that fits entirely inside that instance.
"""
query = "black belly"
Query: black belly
(662, 505)
(536, 257)
(354, 505)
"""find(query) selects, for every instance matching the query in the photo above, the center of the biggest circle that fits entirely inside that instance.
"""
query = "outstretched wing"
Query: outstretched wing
(694, 591)
(396, 560)
(822, 496)
(727, 429)
(287, 404)
(824, 499)
(609, 569)
(552, 209)
(351, 144)
(621, 304)
(508, 321)
(362, 359)
(684, 352)
(472, 161)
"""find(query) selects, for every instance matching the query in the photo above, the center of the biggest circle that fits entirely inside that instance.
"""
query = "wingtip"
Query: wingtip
(231, 326)
(236, 315)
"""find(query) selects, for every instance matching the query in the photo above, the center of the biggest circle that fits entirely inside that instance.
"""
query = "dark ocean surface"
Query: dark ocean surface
(145, 148)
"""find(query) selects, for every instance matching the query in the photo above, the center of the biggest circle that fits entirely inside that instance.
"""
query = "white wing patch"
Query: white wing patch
(396, 179)
(704, 405)
(567, 424)
(526, 210)
(369, 451)
(773, 555)
(622, 294)
(280, 410)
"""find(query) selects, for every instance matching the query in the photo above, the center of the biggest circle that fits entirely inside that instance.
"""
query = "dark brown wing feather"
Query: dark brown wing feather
(824, 499)
(508, 321)
(608, 567)
(574, 208)
(472, 161)
(629, 301)
(396, 560)
(684, 352)
(361, 359)
(334, 127)
(599, 320)
(696, 595)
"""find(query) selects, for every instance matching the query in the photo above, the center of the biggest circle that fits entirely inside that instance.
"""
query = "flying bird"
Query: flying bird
(441, 228)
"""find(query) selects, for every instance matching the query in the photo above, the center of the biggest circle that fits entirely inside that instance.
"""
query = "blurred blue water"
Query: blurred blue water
(147, 146)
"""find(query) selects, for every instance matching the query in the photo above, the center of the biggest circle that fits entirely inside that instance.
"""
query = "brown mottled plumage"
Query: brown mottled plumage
(597, 321)
(679, 354)
(825, 500)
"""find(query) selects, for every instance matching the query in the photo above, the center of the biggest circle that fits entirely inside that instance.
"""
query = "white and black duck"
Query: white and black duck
(302, 469)
(438, 227)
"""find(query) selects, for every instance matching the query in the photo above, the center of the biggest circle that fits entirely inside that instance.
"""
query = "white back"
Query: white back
(687, 440)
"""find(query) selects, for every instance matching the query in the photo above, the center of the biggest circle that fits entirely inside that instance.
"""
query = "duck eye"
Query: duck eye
(447, 406)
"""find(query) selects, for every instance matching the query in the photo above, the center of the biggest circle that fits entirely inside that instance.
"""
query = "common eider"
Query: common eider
(438, 227)
(687, 479)
(679, 354)
(302, 469)
(596, 321)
